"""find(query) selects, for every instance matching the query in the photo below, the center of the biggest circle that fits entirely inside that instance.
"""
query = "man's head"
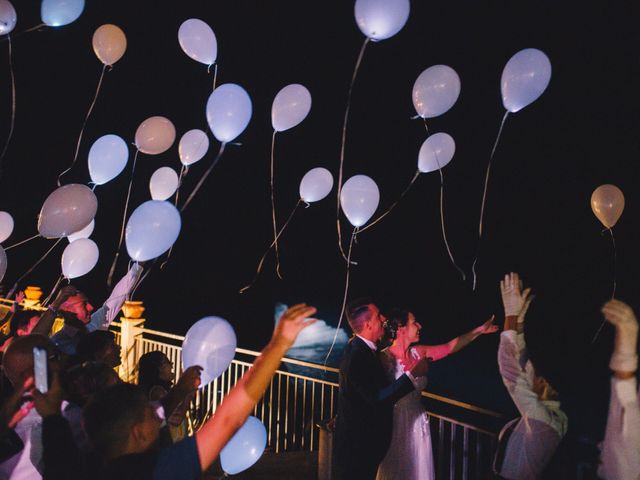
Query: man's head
(365, 319)
(17, 361)
(99, 346)
(77, 305)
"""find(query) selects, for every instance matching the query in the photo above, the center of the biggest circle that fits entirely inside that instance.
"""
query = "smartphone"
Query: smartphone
(40, 369)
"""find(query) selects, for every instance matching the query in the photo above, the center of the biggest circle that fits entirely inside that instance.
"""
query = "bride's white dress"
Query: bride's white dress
(410, 456)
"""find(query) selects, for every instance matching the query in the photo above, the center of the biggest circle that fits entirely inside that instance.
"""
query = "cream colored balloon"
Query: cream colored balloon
(607, 203)
(109, 43)
(155, 135)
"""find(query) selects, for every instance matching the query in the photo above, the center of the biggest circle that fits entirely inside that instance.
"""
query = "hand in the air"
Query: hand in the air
(620, 315)
(487, 327)
(515, 301)
(292, 322)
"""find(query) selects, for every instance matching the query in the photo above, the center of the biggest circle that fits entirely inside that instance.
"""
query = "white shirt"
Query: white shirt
(22, 466)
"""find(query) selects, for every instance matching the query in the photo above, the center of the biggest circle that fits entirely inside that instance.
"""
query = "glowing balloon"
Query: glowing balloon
(607, 203)
(198, 41)
(359, 199)
(163, 183)
(290, 107)
(79, 258)
(107, 158)
(152, 229)
(8, 17)
(6, 226)
(57, 13)
(109, 43)
(3, 263)
(210, 343)
(436, 152)
(193, 146)
(155, 135)
(381, 19)
(316, 184)
(84, 233)
(435, 91)
(245, 448)
(66, 210)
(228, 111)
(524, 78)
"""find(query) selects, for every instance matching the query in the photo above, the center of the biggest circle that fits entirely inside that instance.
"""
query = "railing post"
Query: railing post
(130, 330)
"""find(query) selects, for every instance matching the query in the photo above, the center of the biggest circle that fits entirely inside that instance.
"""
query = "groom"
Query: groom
(366, 397)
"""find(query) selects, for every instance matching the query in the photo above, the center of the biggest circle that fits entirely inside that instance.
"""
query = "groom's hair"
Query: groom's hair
(356, 310)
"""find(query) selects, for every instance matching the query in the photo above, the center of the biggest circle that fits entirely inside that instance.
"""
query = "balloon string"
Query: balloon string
(15, 285)
(142, 278)
(21, 242)
(33, 29)
(84, 125)
(13, 104)
(484, 197)
(393, 205)
(215, 75)
(344, 139)
(183, 171)
(261, 262)
(613, 292)
(53, 290)
(344, 299)
(204, 177)
(124, 221)
(273, 209)
(426, 127)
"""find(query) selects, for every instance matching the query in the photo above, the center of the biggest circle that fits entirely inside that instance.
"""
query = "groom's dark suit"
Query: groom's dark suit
(365, 412)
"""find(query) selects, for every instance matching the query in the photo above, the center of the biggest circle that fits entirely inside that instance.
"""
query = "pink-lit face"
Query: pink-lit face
(78, 305)
(411, 331)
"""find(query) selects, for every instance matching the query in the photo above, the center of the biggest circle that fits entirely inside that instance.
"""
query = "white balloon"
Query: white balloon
(84, 233)
(198, 41)
(79, 258)
(107, 158)
(6, 226)
(525, 77)
(228, 111)
(152, 229)
(316, 184)
(381, 19)
(8, 17)
(193, 146)
(210, 343)
(67, 209)
(436, 152)
(290, 107)
(359, 199)
(435, 91)
(163, 183)
(57, 13)
(3, 263)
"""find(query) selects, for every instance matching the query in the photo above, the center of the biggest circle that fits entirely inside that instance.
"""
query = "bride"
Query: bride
(410, 456)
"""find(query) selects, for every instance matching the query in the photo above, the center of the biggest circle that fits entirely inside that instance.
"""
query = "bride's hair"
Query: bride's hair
(396, 318)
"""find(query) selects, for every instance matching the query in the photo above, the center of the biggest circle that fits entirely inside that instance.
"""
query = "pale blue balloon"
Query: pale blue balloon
(107, 158)
(381, 19)
(152, 229)
(245, 448)
(57, 13)
(228, 111)
(525, 77)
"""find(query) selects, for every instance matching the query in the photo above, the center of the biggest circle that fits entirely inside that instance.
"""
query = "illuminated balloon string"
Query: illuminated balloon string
(203, 178)
(32, 29)
(215, 74)
(484, 198)
(262, 259)
(13, 105)
(344, 139)
(22, 277)
(46, 301)
(124, 221)
(344, 298)
(84, 125)
(273, 209)
(141, 279)
(613, 292)
(183, 173)
(21, 242)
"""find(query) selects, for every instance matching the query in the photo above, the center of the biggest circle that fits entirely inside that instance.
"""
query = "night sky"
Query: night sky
(581, 133)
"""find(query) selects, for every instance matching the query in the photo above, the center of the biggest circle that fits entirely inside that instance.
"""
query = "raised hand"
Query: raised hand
(620, 315)
(515, 301)
(49, 403)
(292, 322)
(11, 412)
(487, 327)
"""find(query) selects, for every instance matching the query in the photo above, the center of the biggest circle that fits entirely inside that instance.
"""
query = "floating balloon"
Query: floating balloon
(163, 183)
(359, 199)
(3, 263)
(435, 91)
(245, 448)
(152, 229)
(193, 146)
(84, 233)
(436, 152)
(198, 41)
(290, 107)
(524, 78)
(210, 343)
(57, 13)
(8, 17)
(316, 184)
(107, 158)
(66, 210)
(155, 135)
(607, 203)
(228, 111)
(79, 258)
(381, 19)
(6, 226)
(109, 43)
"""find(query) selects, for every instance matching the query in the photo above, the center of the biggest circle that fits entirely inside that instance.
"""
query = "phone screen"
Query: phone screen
(40, 369)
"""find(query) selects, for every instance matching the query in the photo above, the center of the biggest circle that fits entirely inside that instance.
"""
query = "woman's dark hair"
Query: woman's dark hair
(396, 318)
(149, 371)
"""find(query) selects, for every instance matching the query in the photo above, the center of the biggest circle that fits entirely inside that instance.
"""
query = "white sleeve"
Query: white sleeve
(102, 318)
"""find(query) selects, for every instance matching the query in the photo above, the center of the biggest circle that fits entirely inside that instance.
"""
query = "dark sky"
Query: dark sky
(581, 133)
